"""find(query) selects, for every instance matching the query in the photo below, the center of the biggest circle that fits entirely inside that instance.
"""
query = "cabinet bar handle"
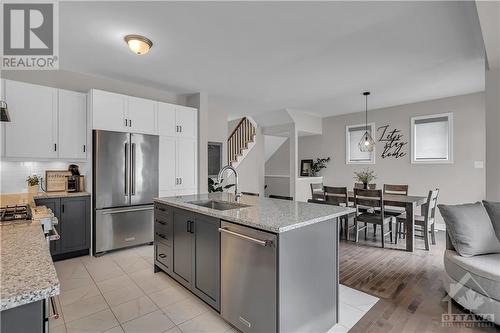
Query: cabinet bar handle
(54, 309)
(161, 235)
(162, 255)
(84, 148)
(126, 123)
(63, 208)
(248, 238)
(55, 146)
(161, 222)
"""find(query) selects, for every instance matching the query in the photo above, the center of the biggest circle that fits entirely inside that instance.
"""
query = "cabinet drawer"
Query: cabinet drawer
(162, 222)
(162, 254)
(162, 211)
(163, 236)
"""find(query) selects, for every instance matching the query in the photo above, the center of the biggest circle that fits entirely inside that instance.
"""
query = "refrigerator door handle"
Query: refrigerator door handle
(121, 210)
(133, 170)
(126, 169)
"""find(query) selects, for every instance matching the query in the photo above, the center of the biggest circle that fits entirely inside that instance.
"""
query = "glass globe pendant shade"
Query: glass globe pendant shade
(367, 143)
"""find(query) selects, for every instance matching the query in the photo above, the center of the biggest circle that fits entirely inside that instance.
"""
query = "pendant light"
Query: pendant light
(367, 143)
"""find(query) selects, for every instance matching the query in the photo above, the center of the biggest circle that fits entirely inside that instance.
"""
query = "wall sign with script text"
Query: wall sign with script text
(393, 142)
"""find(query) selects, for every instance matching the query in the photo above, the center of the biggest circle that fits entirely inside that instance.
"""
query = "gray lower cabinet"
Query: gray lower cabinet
(187, 247)
(73, 214)
(25, 318)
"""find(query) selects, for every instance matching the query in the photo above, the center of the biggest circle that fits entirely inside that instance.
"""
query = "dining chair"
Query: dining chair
(371, 199)
(250, 194)
(361, 186)
(394, 211)
(425, 222)
(338, 196)
(317, 192)
(272, 196)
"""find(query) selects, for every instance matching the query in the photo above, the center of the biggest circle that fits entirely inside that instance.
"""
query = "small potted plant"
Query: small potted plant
(365, 176)
(319, 164)
(33, 184)
(213, 186)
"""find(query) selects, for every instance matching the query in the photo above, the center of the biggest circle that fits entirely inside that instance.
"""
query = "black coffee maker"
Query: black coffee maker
(74, 182)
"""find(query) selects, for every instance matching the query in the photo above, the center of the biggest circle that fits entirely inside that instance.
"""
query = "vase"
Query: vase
(33, 189)
(365, 186)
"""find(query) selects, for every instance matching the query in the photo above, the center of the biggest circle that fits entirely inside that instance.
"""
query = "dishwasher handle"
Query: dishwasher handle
(248, 238)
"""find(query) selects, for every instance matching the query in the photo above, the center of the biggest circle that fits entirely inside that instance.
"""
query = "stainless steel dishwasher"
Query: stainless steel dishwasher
(248, 278)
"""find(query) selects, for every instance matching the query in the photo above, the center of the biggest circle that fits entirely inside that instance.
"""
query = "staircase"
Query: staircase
(241, 141)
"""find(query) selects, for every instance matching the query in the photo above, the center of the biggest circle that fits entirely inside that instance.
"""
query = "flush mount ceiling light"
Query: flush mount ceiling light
(367, 143)
(138, 44)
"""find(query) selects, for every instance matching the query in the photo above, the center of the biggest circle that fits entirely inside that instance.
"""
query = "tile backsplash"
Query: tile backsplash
(13, 174)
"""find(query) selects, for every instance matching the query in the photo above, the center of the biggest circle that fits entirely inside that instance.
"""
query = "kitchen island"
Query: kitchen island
(27, 277)
(267, 265)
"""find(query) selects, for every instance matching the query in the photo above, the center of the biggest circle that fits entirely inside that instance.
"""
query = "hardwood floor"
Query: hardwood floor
(410, 282)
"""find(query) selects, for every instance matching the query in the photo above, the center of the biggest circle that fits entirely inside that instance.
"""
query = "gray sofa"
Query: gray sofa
(473, 282)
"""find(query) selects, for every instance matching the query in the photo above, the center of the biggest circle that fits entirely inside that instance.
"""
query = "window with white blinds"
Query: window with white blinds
(432, 138)
(354, 155)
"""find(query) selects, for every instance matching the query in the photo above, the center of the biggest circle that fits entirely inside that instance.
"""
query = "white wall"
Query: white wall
(13, 174)
(279, 162)
(459, 182)
(200, 101)
(217, 129)
(493, 134)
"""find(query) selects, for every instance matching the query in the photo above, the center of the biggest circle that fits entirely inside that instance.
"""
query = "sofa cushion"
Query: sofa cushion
(484, 270)
(493, 209)
(470, 229)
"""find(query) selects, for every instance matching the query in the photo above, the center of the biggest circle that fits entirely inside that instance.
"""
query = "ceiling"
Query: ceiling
(253, 57)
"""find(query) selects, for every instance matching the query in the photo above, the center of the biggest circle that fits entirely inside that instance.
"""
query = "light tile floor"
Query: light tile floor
(119, 293)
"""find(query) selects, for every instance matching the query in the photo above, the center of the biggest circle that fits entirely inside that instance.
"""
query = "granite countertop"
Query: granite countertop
(274, 215)
(10, 199)
(63, 194)
(27, 273)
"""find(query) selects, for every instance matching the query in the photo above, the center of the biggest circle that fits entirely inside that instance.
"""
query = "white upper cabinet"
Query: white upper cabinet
(109, 111)
(72, 125)
(32, 131)
(121, 113)
(141, 115)
(166, 119)
(167, 169)
(186, 162)
(186, 118)
(177, 120)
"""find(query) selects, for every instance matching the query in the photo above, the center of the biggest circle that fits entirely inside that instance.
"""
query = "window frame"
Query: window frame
(449, 160)
(348, 147)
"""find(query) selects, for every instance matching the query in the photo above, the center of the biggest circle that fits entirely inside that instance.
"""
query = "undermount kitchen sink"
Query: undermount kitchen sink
(218, 205)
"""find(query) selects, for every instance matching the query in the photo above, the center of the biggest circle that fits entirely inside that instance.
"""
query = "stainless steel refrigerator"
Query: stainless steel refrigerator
(125, 180)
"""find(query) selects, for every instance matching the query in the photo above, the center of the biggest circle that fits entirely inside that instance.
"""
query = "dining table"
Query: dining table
(409, 202)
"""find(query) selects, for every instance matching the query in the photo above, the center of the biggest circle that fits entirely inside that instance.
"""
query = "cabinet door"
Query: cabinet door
(75, 224)
(32, 131)
(186, 159)
(187, 119)
(166, 170)
(141, 115)
(166, 119)
(206, 261)
(72, 125)
(109, 111)
(182, 247)
(55, 205)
